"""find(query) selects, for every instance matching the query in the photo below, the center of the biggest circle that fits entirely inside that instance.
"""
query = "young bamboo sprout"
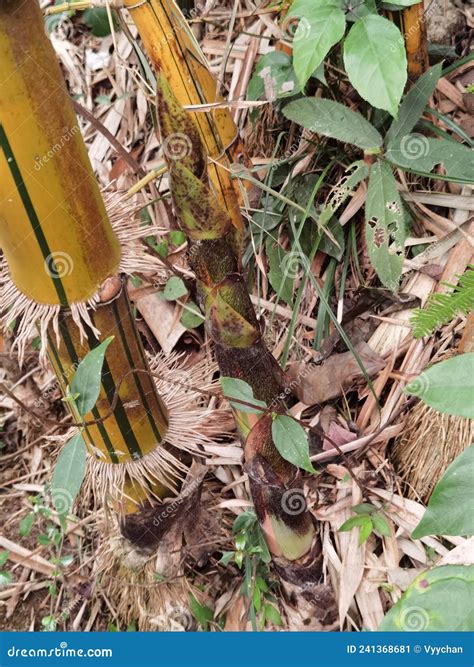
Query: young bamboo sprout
(233, 326)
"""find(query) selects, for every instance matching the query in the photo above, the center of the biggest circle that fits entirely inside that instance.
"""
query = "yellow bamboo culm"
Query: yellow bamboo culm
(56, 237)
(173, 50)
(62, 254)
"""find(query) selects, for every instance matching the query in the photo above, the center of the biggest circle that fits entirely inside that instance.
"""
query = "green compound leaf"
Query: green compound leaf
(439, 600)
(450, 509)
(447, 386)
(376, 63)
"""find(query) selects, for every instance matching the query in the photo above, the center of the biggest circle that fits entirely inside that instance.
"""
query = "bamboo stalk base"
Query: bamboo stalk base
(141, 570)
(192, 426)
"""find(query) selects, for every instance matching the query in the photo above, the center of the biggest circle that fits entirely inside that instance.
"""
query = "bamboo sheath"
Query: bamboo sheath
(173, 50)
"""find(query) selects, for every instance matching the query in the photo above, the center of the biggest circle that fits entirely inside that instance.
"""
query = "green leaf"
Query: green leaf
(357, 10)
(381, 524)
(442, 308)
(421, 154)
(272, 614)
(334, 120)
(234, 388)
(26, 524)
(365, 530)
(281, 275)
(359, 520)
(439, 600)
(413, 105)
(4, 557)
(98, 21)
(174, 289)
(291, 441)
(448, 386)
(192, 316)
(68, 474)
(321, 25)
(49, 623)
(227, 557)
(354, 174)
(244, 521)
(364, 508)
(274, 77)
(177, 237)
(86, 381)
(375, 62)
(5, 578)
(201, 613)
(450, 509)
(257, 599)
(384, 227)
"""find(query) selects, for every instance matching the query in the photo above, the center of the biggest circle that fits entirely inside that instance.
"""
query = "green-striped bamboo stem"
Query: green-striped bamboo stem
(62, 253)
(232, 324)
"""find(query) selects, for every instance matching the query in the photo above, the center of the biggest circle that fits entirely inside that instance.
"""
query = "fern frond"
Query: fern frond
(442, 308)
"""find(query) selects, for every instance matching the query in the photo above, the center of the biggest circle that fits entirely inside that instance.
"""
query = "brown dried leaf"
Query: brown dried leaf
(334, 376)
